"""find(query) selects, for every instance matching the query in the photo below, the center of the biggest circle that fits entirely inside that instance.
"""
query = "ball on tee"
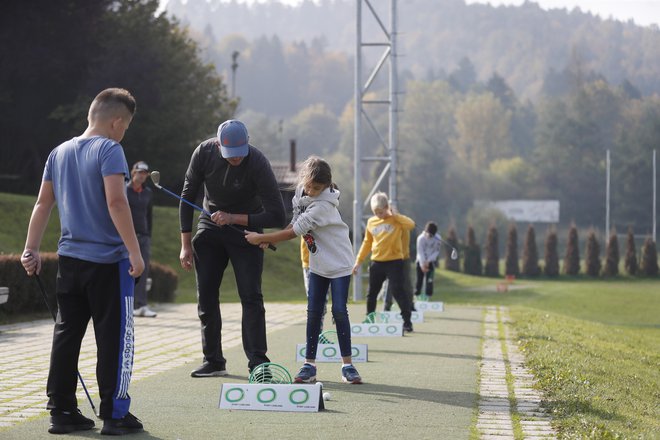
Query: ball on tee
(327, 396)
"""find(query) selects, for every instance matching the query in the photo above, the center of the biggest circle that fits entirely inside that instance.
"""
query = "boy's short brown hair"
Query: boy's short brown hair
(112, 102)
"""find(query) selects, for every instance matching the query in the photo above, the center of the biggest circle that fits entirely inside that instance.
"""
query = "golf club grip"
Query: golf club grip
(204, 211)
(270, 245)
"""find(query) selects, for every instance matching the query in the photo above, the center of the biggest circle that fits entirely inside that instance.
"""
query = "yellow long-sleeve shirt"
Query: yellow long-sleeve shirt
(384, 238)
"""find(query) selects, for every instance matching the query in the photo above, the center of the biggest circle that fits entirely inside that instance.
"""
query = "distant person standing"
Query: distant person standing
(428, 251)
(140, 198)
(240, 190)
(98, 259)
(383, 240)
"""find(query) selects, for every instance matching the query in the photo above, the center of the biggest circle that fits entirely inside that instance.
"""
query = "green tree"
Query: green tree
(99, 44)
(482, 130)
(649, 262)
(512, 263)
(551, 256)
(472, 264)
(630, 262)
(592, 257)
(572, 258)
(315, 129)
(530, 266)
(492, 267)
(611, 267)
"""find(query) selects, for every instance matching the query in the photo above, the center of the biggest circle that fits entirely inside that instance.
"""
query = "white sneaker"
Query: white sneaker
(144, 311)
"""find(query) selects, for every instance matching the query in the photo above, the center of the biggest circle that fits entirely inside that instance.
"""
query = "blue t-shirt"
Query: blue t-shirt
(76, 169)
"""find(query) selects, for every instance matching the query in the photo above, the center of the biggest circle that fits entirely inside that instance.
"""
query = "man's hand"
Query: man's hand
(186, 257)
(222, 218)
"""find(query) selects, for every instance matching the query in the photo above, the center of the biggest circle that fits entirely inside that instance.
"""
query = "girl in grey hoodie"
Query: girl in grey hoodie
(317, 220)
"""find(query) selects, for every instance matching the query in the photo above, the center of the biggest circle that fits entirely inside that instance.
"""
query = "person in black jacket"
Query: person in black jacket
(140, 199)
(240, 190)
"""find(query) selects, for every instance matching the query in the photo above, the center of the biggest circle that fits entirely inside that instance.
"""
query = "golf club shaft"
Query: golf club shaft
(204, 211)
(52, 313)
(447, 244)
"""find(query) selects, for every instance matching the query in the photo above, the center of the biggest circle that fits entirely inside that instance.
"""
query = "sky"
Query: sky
(643, 12)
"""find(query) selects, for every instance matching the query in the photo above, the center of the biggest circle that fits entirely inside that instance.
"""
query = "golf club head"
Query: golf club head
(155, 177)
(454, 254)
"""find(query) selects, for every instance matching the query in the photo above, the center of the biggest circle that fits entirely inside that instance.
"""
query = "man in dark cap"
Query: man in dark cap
(239, 189)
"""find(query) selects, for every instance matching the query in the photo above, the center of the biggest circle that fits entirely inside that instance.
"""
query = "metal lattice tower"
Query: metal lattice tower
(361, 207)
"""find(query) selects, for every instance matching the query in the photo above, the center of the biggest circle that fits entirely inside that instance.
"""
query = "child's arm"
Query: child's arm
(38, 221)
(365, 249)
(406, 222)
(120, 212)
(271, 237)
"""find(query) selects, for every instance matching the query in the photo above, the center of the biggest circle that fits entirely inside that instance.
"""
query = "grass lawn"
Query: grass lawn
(593, 345)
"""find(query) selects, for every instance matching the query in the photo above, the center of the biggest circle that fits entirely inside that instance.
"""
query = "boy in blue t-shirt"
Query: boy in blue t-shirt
(99, 258)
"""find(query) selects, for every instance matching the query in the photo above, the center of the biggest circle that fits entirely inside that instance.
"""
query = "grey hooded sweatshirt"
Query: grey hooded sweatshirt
(318, 222)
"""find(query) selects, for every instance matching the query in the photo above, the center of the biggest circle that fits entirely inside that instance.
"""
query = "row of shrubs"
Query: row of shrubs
(25, 295)
(646, 265)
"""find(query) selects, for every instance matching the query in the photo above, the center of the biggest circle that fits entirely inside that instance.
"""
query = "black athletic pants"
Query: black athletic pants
(213, 250)
(104, 293)
(393, 272)
(425, 280)
(406, 285)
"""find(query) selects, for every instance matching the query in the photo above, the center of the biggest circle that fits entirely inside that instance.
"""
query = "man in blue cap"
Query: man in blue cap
(239, 189)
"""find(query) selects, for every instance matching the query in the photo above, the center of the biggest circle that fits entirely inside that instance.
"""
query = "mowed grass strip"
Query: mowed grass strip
(593, 345)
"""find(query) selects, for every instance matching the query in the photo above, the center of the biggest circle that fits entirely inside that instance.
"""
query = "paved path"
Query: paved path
(509, 406)
(432, 371)
(168, 341)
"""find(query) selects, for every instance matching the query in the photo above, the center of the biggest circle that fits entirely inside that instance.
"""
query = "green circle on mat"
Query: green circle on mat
(238, 399)
(301, 401)
(273, 395)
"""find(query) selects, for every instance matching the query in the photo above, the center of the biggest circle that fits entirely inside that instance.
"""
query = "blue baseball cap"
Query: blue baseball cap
(233, 137)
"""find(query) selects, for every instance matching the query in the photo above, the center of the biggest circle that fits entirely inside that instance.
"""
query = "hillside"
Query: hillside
(524, 44)
(282, 278)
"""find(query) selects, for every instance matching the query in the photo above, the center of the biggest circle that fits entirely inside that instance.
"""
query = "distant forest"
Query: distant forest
(526, 45)
(498, 102)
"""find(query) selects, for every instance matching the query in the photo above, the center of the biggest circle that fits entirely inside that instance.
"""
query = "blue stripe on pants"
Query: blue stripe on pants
(120, 399)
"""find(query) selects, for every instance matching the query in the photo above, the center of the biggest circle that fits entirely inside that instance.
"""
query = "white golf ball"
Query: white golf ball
(327, 396)
(320, 383)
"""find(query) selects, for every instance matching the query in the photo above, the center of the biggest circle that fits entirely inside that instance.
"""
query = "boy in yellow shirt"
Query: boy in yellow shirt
(383, 239)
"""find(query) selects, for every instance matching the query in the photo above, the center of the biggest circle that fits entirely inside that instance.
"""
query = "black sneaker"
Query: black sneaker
(209, 370)
(62, 422)
(129, 424)
(407, 328)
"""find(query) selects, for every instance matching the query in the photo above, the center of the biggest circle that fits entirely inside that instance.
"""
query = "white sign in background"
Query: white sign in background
(375, 329)
(534, 211)
(331, 353)
(272, 397)
(429, 306)
(387, 317)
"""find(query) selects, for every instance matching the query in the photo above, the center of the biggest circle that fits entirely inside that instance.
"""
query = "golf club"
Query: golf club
(52, 313)
(155, 177)
(454, 252)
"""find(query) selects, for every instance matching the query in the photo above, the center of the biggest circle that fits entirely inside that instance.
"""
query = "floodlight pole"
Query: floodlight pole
(607, 195)
(361, 205)
(655, 198)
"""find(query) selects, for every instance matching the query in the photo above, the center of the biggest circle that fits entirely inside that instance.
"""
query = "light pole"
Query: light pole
(234, 66)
